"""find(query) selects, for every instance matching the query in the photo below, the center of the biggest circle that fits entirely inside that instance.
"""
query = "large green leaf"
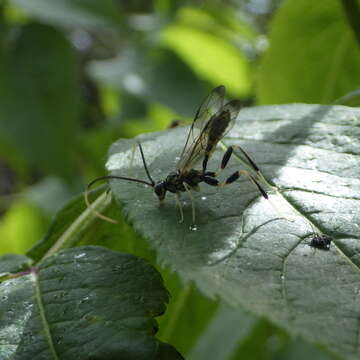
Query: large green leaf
(242, 250)
(40, 98)
(313, 55)
(84, 303)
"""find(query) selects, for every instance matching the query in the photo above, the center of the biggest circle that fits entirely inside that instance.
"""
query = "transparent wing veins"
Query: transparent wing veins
(197, 138)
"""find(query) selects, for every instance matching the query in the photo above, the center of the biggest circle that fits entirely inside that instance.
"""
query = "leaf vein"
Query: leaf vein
(35, 279)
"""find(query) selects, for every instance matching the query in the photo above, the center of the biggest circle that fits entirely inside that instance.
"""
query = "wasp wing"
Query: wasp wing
(232, 108)
(219, 125)
(196, 141)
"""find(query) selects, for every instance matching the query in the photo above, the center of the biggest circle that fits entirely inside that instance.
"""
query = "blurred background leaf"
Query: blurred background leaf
(313, 56)
(40, 96)
(89, 13)
(22, 225)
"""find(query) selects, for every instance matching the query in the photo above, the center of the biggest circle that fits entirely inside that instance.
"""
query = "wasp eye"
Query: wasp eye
(160, 190)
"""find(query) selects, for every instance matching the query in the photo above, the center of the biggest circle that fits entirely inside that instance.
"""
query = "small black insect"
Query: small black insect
(321, 241)
(212, 121)
(173, 124)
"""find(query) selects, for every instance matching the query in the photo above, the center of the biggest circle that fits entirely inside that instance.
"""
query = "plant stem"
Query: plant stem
(352, 12)
(178, 308)
(84, 220)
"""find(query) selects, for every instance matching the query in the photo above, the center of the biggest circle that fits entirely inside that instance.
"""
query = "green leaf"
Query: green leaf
(84, 303)
(186, 304)
(79, 13)
(13, 262)
(242, 250)
(299, 350)
(40, 98)
(210, 56)
(50, 194)
(166, 69)
(227, 329)
(150, 74)
(20, 227)
(350, 99)
(313, 55)
(69, 226)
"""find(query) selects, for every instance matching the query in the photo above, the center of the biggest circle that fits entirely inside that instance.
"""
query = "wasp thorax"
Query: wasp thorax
(174, 182)
(172, 178)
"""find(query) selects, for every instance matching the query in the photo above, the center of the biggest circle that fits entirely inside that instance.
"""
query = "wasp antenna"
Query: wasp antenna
(251, 162)
(107, 177)
(92, 209)
(145, 165)
(110, 177)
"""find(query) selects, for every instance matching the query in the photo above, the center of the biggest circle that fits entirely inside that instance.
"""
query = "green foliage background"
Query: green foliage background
(77, 75)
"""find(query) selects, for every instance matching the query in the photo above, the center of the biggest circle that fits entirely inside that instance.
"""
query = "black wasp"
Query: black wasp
(321, 241)
(211, 122)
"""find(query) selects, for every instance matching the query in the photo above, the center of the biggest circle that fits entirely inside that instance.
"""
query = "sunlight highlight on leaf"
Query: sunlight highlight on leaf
(211, 57)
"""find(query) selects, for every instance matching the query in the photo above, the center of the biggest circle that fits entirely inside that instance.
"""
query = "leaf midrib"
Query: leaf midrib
(291, 205)
(35, 280)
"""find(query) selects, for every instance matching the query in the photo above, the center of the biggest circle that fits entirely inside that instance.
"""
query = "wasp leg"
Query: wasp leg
(210, 180)
(224, 162)
(248, 158)
(188, 190)
(205, 161)
(252, 164)
(178, 203)
(237, 174)
(209, 177)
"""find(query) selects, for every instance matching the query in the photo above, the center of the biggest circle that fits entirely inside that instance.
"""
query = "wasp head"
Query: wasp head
(160, 190)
